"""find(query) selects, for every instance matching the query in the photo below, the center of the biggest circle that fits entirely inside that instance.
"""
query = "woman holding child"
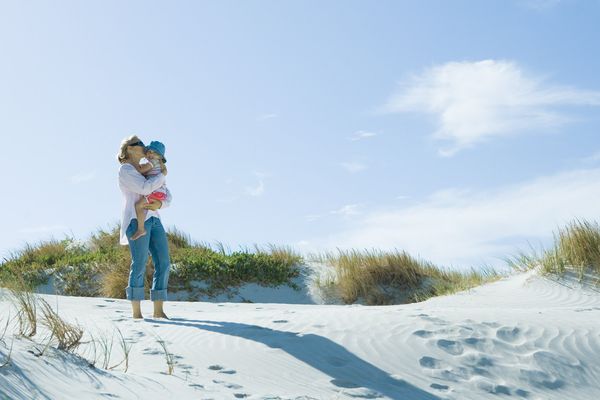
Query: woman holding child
(142, 182)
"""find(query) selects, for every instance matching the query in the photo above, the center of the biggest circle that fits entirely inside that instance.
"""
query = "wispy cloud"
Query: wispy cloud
(264, 117)
(259, 188)
(312, 217)
(474, 101)
(347, 210)
(43, 229)
(361, 135)
(353, 167)
(462, 227)
(83, 177)
(594, 158)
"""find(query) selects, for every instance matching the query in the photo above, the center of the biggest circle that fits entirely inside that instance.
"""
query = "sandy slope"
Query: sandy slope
(524, 336)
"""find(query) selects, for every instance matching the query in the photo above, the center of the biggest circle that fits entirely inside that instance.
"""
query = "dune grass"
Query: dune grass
(100, 266)
(576, 248)
(378, 277)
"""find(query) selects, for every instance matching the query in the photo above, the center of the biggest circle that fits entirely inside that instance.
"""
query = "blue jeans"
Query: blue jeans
(155, 242)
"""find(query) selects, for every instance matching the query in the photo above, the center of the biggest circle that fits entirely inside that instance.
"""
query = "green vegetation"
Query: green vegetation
(100, 267)
(376, 277)
(576, 248)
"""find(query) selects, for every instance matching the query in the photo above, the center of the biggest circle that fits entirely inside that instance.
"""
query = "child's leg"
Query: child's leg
(140, 213)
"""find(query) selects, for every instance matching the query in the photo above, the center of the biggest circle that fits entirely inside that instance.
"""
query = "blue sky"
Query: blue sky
(459, 131)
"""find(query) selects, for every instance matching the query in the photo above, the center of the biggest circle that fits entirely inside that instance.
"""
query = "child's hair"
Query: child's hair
(122, 154)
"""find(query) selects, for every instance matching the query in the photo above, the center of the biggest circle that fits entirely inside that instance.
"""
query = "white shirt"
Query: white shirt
(134, 185)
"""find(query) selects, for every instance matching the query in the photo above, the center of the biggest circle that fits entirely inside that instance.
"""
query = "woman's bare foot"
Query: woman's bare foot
(158, 310)
(138, 235)
(136, 307)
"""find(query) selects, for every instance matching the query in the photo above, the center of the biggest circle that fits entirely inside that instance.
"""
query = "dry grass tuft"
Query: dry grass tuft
(169, 357)
(377, 277)
(126, 347)
(576, 248)
(67, 335)
(25, 303)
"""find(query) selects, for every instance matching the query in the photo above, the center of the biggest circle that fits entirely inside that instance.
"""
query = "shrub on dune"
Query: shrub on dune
(100, 266)
(576, 248)
(380, 277)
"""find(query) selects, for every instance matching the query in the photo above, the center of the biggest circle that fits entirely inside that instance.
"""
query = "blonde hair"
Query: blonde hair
(122, 155)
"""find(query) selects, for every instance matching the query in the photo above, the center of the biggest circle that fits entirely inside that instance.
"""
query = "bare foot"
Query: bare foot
(163, 315)
(137, 316)
(138, 235)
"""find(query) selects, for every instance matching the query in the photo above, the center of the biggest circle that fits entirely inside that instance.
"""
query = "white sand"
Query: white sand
(524, 336)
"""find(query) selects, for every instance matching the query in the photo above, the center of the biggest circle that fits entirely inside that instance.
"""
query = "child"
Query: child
(155, 160)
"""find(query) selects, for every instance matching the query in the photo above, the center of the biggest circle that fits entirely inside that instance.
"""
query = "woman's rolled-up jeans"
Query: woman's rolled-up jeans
(154, 242)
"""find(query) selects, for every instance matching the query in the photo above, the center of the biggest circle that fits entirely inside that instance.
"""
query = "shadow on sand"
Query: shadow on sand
(346, 370)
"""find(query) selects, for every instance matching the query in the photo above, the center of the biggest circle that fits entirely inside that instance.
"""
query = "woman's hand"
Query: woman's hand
(155, 205)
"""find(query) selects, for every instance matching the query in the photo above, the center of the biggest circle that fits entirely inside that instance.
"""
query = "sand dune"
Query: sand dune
(521, 337)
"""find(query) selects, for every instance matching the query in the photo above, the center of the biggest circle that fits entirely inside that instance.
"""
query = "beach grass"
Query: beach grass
(576, 249)
(377, 277)
(100, 266)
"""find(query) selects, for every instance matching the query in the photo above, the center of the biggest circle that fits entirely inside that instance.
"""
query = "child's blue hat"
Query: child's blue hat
(158, 148)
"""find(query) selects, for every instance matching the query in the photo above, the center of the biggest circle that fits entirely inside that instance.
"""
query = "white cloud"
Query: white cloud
(347, 210)
(353, 167)
(83, 177)
(43, 229)
(474, 101)
(259, 189)
(594, 158)
(312, 217)
(360, 135)
(264, 117)
(464, 228)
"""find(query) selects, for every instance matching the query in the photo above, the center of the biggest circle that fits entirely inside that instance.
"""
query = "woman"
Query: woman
(134, 185)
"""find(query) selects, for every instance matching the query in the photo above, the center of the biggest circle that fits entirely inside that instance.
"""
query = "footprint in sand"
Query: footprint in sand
(423, 333)
(344, 384)
(437, 386)
(228, 371)
(430, 362)
(109, 301)
(241, 395)
(435, 320)
(196, 386)
(508, 334)
(101, 305)
(280, 321)
(450, 347)
(228, 385)
(215, 367)
(152, 352)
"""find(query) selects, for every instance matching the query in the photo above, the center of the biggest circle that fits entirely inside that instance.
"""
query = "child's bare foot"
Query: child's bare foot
(137, 316)
(162, 315)
(138, 235)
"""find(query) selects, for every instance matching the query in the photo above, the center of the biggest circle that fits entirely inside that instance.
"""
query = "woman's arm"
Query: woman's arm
(132, 180)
